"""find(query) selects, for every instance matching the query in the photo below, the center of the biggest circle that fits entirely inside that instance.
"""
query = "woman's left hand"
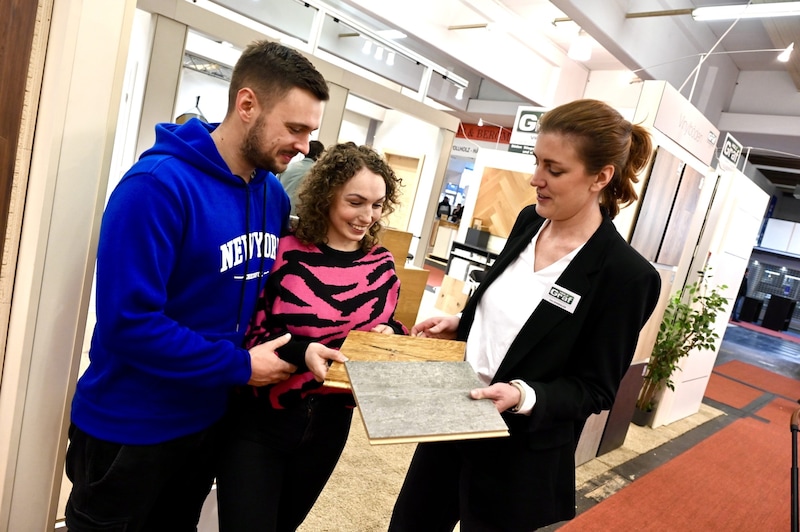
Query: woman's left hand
(382, 329)
(502, 394)
(317, 357)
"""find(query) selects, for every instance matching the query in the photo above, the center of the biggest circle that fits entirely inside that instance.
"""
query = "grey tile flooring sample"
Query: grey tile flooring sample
(403, 402)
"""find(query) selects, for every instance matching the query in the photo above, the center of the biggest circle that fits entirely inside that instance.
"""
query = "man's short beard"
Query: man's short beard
(251, 151)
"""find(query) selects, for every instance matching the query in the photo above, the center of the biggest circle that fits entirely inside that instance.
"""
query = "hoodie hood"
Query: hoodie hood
(192, 143)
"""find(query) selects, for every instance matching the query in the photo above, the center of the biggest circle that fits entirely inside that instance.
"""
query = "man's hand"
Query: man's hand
(265, 365)
(317, 356)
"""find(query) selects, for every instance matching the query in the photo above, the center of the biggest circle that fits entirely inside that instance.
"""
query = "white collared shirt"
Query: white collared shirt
(506, 306)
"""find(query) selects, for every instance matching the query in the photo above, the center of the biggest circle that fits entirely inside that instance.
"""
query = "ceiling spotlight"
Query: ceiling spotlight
(379, 53)
(460, 93)
(367, 48)
(786, 54)
(390, 59)
(480, 122)
(581, 47)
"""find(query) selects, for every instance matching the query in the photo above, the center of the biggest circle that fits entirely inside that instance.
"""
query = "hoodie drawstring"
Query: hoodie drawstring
(250, 254)
(247, 259)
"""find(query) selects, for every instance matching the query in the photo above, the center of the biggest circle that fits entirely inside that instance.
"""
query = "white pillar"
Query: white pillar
(78, 106)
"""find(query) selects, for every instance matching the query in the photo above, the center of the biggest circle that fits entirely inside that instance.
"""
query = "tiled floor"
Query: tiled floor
(773, 354)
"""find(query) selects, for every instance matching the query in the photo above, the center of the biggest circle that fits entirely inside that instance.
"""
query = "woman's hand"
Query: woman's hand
(382, 329)
(317, 356)
(502, 394)
(443, 327)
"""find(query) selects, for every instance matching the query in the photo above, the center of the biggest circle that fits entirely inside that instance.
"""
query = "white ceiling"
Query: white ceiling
(664, 47)
(514, 52)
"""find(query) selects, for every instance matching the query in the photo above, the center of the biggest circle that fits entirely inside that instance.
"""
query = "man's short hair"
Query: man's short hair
(271, 70)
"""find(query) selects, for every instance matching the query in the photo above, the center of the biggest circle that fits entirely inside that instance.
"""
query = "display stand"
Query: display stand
(779, 313)
(751, 309)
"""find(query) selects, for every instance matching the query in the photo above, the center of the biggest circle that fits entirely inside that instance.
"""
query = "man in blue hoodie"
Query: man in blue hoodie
(186, 242)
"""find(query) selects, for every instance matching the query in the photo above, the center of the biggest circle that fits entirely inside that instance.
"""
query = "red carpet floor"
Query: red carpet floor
(435, 277)
(760, 379)
(778, 334)
(738, 479)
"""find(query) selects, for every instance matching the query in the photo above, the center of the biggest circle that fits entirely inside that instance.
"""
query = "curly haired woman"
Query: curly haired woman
(330, 277)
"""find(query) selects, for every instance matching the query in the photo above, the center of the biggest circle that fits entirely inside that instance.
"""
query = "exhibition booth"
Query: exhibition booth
(692, 214)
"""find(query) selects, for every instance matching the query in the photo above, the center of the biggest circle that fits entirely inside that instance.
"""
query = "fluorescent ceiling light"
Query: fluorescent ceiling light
(460, 93)
(778, 9)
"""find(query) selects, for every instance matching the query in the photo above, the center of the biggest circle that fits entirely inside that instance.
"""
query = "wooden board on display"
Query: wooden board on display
(452, 295)
(412, 287)
(408, 168)
(502, 194)
(398, 243)
(656, 204)
(369, 346)
(408, 402)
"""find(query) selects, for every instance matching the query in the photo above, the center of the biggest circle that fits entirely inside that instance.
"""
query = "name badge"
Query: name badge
(562, 298)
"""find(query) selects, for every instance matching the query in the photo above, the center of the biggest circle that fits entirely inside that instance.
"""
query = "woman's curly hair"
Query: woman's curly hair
(335, 167)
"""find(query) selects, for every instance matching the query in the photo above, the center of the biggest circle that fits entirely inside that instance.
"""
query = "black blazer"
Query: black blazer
(574, 362)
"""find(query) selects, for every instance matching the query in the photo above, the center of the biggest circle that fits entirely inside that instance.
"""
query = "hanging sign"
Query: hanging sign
(731, 152)
(525, 131)
(681, 121)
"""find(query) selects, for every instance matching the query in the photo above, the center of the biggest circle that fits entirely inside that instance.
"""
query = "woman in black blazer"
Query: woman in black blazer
(551, 331)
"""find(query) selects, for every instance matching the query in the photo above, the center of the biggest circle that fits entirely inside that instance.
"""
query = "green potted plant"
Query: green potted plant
(686, 325)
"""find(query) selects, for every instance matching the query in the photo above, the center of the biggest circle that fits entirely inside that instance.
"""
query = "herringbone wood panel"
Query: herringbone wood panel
(502, 195)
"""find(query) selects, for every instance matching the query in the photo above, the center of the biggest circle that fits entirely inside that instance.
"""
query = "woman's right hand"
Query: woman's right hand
(442, 327)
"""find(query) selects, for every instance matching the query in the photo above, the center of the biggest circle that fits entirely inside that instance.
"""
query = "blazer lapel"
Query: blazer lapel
(577, 278)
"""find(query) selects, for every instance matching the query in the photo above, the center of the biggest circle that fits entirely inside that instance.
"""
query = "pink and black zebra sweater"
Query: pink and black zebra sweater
(319, 294)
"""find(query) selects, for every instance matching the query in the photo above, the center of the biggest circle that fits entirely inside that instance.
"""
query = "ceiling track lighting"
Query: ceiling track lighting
(382, 50)
(385, 46)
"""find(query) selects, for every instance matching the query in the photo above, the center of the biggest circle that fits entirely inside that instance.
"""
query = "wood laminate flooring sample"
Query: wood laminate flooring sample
(370, 346)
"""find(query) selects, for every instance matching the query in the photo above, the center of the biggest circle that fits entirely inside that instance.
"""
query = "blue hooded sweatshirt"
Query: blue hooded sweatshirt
(185, 247)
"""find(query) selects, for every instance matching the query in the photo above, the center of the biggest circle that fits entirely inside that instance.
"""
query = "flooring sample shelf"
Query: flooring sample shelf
(405, 402)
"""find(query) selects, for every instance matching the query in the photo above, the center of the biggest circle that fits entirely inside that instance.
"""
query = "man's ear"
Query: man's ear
(246, 104)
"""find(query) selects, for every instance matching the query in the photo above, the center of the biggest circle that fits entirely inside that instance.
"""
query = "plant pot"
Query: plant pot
(643, 418)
